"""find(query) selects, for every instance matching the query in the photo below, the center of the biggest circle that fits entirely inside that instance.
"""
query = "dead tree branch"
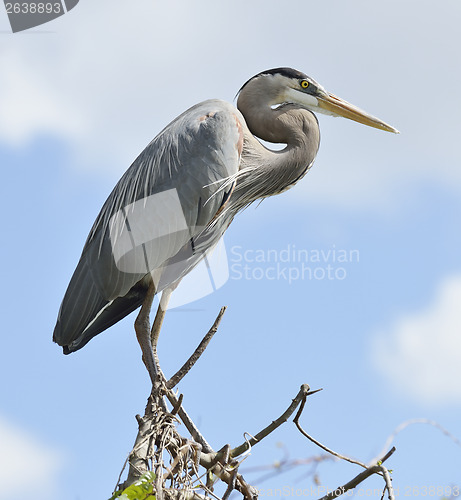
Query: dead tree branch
(301, 396)
(414, 421)
(369, 471)
(187, 421)
(378, 468)
(318, 443)
(184, 370)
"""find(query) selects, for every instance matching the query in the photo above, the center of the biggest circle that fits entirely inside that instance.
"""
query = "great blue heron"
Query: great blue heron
(182, 192)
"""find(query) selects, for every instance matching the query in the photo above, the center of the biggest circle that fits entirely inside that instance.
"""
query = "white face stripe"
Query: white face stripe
(297, 97)
(307, 100)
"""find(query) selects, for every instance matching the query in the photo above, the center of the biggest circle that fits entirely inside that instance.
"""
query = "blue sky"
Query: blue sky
(80, 98)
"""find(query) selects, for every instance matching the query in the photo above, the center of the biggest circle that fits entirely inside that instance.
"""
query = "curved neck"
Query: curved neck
(271, 172)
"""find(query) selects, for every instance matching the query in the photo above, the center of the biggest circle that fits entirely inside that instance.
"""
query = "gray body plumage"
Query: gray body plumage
(101, 291)
(180, 195)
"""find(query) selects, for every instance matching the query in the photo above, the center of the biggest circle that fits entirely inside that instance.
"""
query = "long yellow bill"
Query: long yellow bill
(329, 103)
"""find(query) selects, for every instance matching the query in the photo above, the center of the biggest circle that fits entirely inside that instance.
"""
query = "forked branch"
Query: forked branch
(377, 468)
(369, 471)
(301, 396)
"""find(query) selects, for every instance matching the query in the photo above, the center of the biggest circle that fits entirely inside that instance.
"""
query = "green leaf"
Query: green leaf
(143, 489)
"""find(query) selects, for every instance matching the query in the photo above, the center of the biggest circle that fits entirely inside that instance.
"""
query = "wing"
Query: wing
(162, 203)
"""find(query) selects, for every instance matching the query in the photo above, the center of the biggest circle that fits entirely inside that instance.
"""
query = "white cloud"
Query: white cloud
(30, 105)
(419, 355)
(26, 465)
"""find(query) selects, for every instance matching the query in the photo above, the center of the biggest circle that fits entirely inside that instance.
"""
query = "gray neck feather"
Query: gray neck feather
(266, 172)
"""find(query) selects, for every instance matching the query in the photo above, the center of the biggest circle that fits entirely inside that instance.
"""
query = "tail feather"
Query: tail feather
(85, 312)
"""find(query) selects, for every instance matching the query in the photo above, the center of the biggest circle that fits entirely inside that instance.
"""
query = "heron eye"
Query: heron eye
(304, 84)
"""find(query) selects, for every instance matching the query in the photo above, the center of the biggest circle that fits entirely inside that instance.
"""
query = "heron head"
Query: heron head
(287, 85)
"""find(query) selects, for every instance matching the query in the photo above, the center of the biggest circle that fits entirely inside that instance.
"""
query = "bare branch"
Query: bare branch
(414, 421)
(187, 421)
(177, 377)
(177, 406)
(369, 471)
(212, 462)
(231, 485)
(174, 494)
(320, 445)
(301, 396)
(387, 478)
(277, 468)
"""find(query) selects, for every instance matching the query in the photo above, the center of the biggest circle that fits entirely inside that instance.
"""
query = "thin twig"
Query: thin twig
(369, 471)
(226, 469)
(177, 377)
(272, 470)
(208, 461)
(181, 453)
(231, 485)
(206, 487)
(413, 421)
(190, 494)
(187, 421)
(301, 396)
(121, 473)
(221, 455)
(320, 445)
(387, 478)
(175, 409)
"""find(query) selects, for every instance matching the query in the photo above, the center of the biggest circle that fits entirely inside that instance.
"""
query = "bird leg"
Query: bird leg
(148, 338)
(159, 317)
(142, 328)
